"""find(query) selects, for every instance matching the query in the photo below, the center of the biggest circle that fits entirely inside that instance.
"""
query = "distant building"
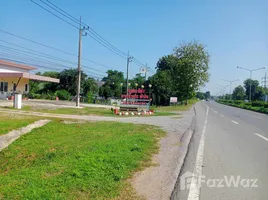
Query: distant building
(14, 77)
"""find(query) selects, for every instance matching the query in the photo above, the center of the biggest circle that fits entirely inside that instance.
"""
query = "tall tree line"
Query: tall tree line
(180, 74)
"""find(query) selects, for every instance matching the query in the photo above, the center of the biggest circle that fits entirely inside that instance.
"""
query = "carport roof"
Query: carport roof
(16, 65)
(28, 76)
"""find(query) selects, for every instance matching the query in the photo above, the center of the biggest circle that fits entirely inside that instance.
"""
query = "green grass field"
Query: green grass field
(91, 111)
(73, 111)
(76, 161)
(9, 122)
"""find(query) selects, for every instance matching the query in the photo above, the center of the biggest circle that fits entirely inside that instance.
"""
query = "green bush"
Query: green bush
(35, 96)
(63, 94)
(237, 102)
(90, 97)
(258, 103)
(247, 103)
(258, 106)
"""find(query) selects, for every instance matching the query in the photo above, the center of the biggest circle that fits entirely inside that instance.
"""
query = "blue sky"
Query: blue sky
(234, 32)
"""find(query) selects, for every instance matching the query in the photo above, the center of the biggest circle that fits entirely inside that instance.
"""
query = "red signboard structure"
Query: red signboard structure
(136, 98)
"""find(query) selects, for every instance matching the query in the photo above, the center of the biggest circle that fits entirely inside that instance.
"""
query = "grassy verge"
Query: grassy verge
(9, 122)
(89, 111)
(175, 108)
(72, 111)
(76, 161)
(246, 105)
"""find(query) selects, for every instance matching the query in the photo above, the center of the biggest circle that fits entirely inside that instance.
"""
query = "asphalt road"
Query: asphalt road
(228, 156)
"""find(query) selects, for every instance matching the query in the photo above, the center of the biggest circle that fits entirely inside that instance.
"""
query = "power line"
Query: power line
(36, 59)
(39, 66)
(53, 48)
(54, 14)
(11, 53)
(47, 56)
(91, 30)
(93, 36)
(92, 33)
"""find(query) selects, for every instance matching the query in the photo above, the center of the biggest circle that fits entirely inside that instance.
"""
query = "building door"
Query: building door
(3, 89)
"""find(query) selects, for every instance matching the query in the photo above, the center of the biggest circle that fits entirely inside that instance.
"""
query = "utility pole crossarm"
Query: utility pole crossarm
(258, 69)
(243, 68)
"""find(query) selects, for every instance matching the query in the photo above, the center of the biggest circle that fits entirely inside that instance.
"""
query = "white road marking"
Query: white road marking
(195, 186)
(215, 111)
(265, 138)
(222, 115)
(235, 122)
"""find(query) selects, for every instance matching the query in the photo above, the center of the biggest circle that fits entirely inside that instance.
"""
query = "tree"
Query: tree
(137, 79)
(207, 95)
(90, 85)
(194, 65)
(200, 95)
(185, 72)
(67, 86)
(162, 87)
(259, 94)
(68, 80)
(112, 85)
(48, 87)
(254, 85)
(239, 93)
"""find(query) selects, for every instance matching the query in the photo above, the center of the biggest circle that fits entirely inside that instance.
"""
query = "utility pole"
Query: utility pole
(265, 86)
(250, 71)
(81, 30)
(230, 86)
(265, 80)
(223, 87)
(146, 69)
(129, 59)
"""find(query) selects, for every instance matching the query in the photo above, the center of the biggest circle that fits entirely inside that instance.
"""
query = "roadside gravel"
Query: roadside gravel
(157, 182)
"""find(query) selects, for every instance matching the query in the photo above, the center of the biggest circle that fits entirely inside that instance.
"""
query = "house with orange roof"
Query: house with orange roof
(15, 77)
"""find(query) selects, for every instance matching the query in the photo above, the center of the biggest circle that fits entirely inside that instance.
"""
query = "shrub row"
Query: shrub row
(258, 106)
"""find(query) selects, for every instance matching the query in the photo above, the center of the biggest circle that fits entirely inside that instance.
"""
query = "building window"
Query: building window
(3, 86)
(26, 88)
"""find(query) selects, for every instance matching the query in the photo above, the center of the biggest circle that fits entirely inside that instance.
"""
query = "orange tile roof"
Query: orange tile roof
(16, 65)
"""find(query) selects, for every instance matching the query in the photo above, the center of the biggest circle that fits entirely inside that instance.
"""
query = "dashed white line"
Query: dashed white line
(222, 115)
(195, 186)
(215, 111)
(265, 138)
(235, 122)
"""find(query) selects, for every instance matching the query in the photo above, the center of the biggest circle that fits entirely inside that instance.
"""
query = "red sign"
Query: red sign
(133, 103)
(142, 96)
(138, 97)
(140, 91)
